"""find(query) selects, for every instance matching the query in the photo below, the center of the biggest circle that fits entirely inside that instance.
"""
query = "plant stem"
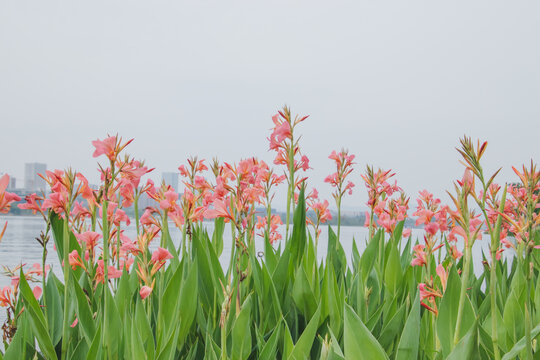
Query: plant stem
(224, 342)
(43, 274)
(105, 273)
(136, 209)
(67, 271)
(338, 217)
(462, 295)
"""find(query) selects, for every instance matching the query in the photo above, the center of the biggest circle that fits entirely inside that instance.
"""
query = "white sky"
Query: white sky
(396, 82)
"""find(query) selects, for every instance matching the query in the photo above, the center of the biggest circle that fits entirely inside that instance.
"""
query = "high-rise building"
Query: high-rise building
(12, 183)
(32, 181)
(172, 179)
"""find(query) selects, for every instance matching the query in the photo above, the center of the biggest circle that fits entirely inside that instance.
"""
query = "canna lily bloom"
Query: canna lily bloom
(145, 291)
(420, 256)
(113, 273)
(158, 258)
(5, 297)
(160, 255)
(37, 292)
(430, 295)
(90, 238)
(6, 198)
(220, 210)
(169, 200)
(56, 201)
(75, 260)
(443, 275)
(109, 147)
(32, 204)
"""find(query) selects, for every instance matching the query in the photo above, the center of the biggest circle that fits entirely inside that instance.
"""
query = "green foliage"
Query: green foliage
(286, 305)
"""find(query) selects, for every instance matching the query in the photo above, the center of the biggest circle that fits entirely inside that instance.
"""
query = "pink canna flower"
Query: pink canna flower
(5, 297)
(145, 291)
(56, 201)
(109, 147)
(6, 198)
(37, 292)
(75, 260)
(32, 203)
(420, 256)
(443, 275)
(160, 255)
(74, 323)
(169, 201)
(220, 210)
(90, 238)
(106, 147)
(406, 233)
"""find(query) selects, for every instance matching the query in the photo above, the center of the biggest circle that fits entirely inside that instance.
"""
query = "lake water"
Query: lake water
(20, 247)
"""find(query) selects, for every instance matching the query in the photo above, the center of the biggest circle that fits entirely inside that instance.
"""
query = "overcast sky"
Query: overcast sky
(395, 82)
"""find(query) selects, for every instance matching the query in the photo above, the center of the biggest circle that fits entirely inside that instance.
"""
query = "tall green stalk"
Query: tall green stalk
(67, 271)
(495, 239)
(338, 218)
(105, 273)
(463, 291)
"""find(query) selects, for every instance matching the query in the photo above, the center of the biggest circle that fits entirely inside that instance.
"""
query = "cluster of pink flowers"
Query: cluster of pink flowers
(6, 199)
(344, 163)
(388, 210)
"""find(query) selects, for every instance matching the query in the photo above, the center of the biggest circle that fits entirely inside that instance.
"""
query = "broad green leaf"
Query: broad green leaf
(84, 313)
(392, 274)
(37, 319)
(168, 309)
(303, 295)
(408, 343)
(54, 311)
(303, 346)
(188, 303)
(217, 236)
(241, 334)
(465, 347)
(520, 345)
(269, 350)
(360, 343)
(448, 309)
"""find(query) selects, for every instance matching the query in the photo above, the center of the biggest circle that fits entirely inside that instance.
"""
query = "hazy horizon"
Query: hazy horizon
(397, 83)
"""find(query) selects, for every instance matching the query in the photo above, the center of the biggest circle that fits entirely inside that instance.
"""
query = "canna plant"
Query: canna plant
(152, 295)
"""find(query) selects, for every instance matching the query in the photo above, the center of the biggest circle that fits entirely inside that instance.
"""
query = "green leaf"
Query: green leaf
(188, 303)
(269, 350)
(520, 345)
(16, 350)
(241, 333)
(57, 226)
(37, 319)
(303, 295)
(84, 313)
(465, 347)
(408, 343)
(360, 343)
(54, 311)
(298, 238)
(393, 275)
(168, 309)
(446, 321)
(217, 236)
(302, 348)
(95, 348)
